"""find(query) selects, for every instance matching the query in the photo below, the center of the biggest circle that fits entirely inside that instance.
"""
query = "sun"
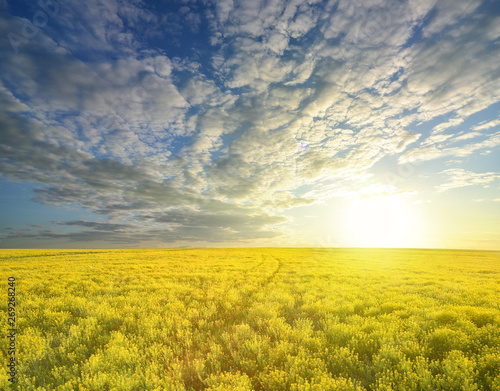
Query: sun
(382, 221)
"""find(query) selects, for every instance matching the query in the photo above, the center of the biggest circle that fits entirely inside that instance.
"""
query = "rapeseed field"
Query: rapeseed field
(253, 319)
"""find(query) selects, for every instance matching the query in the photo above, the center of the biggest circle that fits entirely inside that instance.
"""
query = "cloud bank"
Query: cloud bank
(192, 129)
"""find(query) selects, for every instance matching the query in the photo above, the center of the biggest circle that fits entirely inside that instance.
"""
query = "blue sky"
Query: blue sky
(250, 123)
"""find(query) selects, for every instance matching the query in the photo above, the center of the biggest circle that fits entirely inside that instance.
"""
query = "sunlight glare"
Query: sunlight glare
(383, 221)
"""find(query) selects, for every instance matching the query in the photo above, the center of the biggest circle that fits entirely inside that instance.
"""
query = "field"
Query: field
(253, 319)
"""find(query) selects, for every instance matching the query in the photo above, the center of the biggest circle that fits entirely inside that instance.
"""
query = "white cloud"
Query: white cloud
(432, 152)
(436, 139)
(487, 125)
(467, 136)
(461, 178)
(445, 125)
(448, 13)
(421, 154)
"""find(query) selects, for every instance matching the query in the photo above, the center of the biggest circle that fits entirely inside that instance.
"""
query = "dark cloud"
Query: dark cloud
(218, 218)
(94, 225)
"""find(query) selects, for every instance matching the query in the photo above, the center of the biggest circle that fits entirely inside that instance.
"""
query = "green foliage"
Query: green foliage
(254, 319)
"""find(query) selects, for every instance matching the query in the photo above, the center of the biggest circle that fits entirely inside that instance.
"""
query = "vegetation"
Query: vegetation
(254, 319)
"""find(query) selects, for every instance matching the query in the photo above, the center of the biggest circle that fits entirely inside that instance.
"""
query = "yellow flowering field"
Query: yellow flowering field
(252, 319)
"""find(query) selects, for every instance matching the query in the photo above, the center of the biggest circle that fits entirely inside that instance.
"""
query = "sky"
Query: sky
(198, 123)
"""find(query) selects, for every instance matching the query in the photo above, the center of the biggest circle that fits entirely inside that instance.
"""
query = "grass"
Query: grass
(254, 319)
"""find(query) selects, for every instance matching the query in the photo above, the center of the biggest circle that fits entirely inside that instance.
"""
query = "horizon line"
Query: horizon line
(256, 248)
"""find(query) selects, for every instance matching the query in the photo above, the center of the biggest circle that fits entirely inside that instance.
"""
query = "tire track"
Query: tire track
(275, 272)
(249, 299)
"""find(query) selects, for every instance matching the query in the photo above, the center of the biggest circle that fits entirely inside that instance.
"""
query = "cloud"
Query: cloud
(101, 27)
(378, 190)
(94, 225)
(193, 130)
(436, 139)
(487, 125)
(467, 136)
(445, 125)
(461, 178)
(421, 154)
(433, 152)
(216, 218)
